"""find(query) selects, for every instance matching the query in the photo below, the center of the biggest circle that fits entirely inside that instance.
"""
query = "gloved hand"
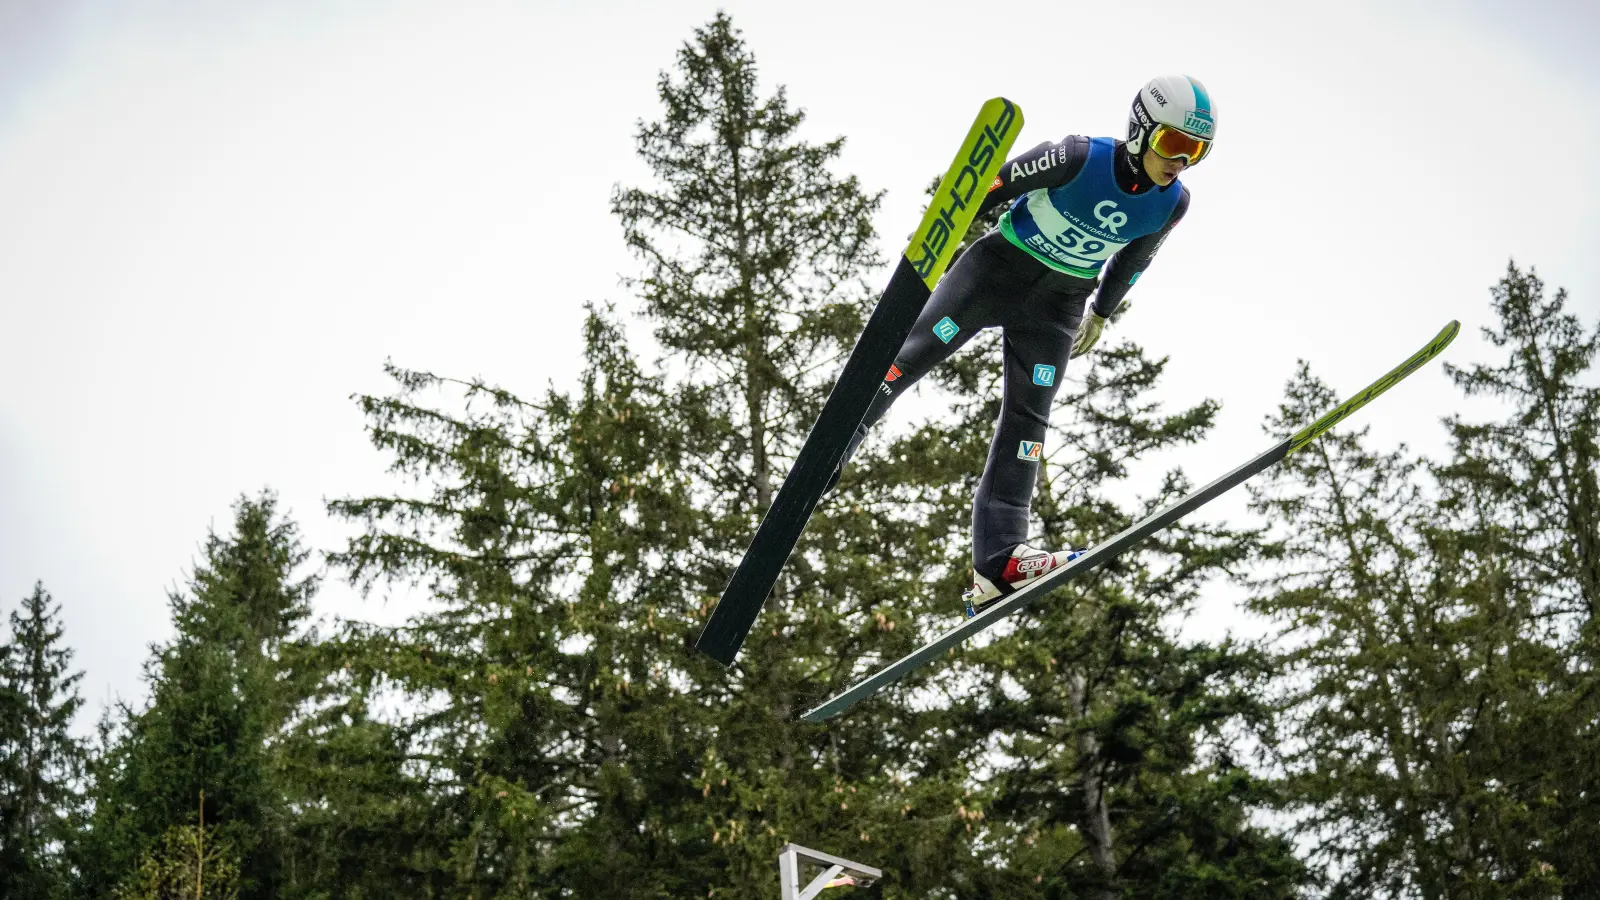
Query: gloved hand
(1088, 332)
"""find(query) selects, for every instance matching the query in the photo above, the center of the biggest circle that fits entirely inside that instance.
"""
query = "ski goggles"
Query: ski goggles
(1170, 143)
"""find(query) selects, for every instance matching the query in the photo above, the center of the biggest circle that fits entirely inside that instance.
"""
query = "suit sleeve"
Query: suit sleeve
(1131, 261)
(1048, 165)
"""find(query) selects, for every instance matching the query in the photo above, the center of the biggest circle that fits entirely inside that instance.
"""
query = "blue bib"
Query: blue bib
(1075, 228)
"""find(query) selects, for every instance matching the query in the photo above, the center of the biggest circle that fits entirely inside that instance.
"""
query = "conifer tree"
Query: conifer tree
(40, 759)
(537, 515)
(1522, 496)
(357, 820)
(1109, 748)
(576, 544)
(1123, 773)
(190, 861)
(757, 263)
(1371, 679)
(220, 691)
(1541, 464)
(1438, 696)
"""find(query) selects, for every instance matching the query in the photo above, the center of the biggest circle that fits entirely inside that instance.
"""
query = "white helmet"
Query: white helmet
(1174, 114)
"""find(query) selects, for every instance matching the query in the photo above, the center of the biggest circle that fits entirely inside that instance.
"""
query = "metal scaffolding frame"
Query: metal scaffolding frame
(793, 856)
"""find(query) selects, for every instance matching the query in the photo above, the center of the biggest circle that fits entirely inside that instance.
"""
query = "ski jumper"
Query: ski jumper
(1077, 207)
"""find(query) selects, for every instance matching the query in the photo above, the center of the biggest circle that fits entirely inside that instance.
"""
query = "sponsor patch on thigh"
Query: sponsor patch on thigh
(1031, 450)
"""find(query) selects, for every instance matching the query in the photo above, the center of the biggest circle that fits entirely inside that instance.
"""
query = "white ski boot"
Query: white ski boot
(1026, 564)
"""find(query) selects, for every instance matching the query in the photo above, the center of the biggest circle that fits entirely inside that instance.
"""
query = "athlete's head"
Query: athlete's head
(1171, 126)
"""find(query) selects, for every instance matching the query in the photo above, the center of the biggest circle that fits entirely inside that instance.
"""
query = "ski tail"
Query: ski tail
(951, 212)
(1110, 548)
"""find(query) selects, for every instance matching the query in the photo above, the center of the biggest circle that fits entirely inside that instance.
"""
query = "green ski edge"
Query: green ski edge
(1112, 547)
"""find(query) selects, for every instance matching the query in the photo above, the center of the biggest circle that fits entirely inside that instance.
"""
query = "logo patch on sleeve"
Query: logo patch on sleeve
(945, 329)
(1044, 375)
(1033, 451)
(894, 373)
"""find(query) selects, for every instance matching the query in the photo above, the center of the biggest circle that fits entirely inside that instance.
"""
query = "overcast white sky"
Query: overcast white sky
(218, 219)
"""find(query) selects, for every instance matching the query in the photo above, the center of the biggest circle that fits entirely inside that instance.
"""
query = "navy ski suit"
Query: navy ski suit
(1074, 205)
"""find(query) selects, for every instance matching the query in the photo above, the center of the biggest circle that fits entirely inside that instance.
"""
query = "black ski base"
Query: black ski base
(886, 331)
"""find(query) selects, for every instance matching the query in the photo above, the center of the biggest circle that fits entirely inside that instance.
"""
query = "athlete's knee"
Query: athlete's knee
(1025, 417)
(1036, 418)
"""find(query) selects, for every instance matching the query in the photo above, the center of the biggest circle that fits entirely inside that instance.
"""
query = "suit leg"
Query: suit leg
(1038, 343)
(963, 304)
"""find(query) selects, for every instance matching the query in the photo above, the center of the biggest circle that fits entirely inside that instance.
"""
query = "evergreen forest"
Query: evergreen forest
(1421, 720)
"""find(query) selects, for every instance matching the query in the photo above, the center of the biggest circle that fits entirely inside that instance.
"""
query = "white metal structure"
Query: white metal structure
(793, 857)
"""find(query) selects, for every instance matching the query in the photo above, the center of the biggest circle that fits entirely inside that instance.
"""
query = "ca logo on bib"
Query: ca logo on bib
(1113, 221)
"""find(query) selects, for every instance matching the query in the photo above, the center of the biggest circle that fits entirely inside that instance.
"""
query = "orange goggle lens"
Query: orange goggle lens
(1172, 143)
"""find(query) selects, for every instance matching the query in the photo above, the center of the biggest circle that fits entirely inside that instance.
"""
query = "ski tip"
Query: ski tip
(955, 202)
(1396, 375)
(998, 104)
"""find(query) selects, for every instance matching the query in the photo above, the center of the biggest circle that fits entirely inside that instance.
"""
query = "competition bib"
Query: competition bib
(1083, 223)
